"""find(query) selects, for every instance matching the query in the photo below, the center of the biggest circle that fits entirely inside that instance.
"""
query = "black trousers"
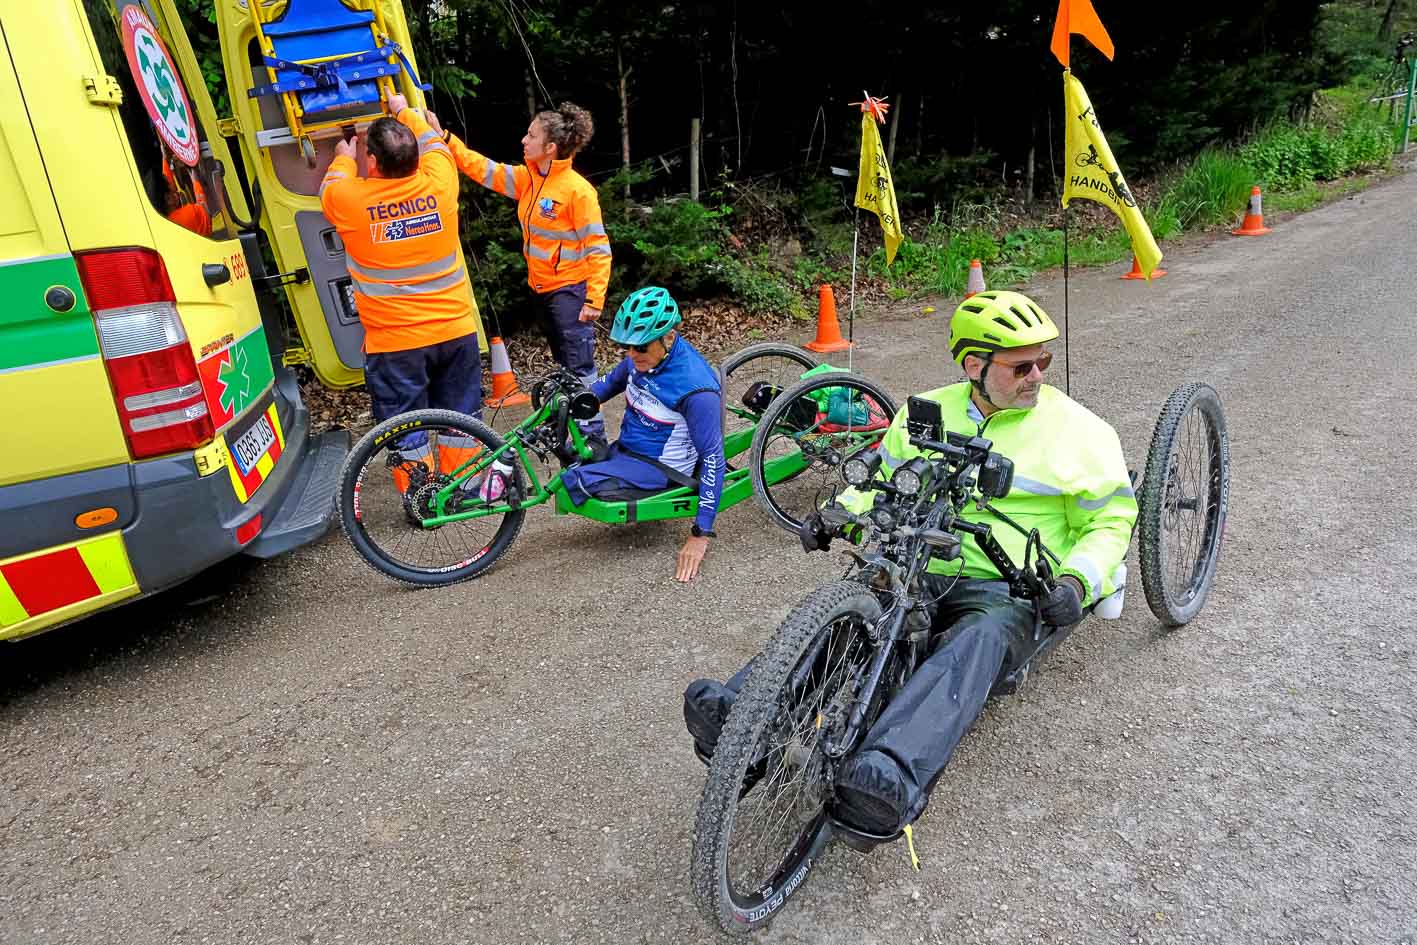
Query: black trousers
(978, 631)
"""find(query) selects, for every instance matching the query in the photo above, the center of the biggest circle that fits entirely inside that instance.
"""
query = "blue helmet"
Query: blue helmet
(646, 314)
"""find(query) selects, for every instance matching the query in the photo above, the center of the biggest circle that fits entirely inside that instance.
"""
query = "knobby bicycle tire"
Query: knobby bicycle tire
(766, 696)
(1164, 509)
(371, 551)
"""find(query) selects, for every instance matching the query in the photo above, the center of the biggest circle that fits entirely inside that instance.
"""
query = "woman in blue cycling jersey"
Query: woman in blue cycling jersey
(673, 426)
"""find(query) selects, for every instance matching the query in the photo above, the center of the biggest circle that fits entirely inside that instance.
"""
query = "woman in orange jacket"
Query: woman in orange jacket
(563, 236)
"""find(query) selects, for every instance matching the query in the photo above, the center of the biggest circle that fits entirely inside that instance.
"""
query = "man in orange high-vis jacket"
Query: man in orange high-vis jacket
(400, 231)
(563, 236)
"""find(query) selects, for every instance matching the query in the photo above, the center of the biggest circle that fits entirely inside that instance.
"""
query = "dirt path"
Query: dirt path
(301, 752)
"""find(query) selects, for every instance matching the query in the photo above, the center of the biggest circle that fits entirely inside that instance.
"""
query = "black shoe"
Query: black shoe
(870, 795)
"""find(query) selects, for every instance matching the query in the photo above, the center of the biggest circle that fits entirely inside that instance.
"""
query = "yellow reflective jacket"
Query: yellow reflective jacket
(1070, 483)
(563, 235)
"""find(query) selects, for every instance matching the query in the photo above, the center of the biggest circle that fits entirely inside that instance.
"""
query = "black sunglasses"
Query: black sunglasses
(1022, 369)
(638, 349)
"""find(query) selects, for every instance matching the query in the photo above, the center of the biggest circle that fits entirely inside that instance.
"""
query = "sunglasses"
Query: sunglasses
(1022, 369)
(638, 349)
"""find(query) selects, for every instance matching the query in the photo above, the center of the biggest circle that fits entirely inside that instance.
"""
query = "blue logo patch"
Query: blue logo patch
(407, 229)
(547, 208)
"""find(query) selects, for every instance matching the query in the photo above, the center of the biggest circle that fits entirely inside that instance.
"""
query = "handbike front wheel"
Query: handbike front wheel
(390, 487)
(1185, 493)
(762, 821)
(806, 434)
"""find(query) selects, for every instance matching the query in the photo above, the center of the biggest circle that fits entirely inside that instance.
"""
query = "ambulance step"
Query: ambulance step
(309, 509)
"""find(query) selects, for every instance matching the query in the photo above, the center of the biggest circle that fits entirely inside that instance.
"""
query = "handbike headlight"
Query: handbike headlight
(911, 478)
(861, 468)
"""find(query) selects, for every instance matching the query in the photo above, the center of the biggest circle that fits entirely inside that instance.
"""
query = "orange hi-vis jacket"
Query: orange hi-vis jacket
(401, 246)
(563, 235)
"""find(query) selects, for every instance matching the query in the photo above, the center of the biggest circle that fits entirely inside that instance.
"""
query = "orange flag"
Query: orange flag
(1078, 16)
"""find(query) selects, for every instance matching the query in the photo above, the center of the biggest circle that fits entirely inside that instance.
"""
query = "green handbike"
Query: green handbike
(412, 497)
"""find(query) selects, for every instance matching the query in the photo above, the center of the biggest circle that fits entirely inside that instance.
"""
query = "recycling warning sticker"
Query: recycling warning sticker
(156, 77)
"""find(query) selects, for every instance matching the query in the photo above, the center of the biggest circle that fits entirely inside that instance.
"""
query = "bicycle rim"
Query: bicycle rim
(393, 488)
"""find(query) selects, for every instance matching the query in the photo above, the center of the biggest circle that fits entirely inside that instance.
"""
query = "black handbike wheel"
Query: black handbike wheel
(388, 488)
(772, 363)
(1185, 493)
(762, 821)
(806, 434)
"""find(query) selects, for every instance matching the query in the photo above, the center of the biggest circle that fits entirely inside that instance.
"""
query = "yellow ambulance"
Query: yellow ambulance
(150, 424)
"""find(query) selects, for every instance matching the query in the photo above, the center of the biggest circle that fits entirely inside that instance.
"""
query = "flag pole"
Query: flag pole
(1067, 335)
(851, 313)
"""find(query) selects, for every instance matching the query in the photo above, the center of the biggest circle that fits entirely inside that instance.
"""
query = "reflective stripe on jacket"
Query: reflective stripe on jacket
(563, 235)
(401, 247)
(1070, 482)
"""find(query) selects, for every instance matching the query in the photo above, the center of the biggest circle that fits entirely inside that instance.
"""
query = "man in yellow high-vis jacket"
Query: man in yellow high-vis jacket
(1070, 483)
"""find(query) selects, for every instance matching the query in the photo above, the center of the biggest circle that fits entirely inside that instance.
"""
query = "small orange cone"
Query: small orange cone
(504, 382)
(1254, 219)
(976, 279)
(828, 331)
(1136, 272)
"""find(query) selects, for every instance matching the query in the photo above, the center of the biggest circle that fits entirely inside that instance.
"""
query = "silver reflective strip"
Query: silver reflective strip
(1089, 570)
(421, 452)
(1035, 488)
(888, 459)
(536, 252)
(597, 251)
(45, 364)
(1092, 505)
(590, 229)
(330, 179)
(385, 290)
(440, 146)
(509, 180)
(489, 178)
(428, 136)
(570, 255)
(407, 272)
(565, 235)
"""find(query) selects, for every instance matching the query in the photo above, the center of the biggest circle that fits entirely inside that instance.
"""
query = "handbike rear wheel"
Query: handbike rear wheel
(1185, 493)
(799, 446)
(771, 362)
(388, 488)
(762, 821)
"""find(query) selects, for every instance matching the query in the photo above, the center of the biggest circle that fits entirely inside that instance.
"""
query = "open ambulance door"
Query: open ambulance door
(287, 163)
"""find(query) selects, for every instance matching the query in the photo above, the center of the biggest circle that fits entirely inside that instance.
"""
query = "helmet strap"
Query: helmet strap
(979, 384)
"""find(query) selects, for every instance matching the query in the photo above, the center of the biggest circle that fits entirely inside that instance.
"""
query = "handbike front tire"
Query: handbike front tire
(764, 698)
(374, 555)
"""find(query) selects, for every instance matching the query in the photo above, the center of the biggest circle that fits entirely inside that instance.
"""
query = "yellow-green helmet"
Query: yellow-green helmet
(994, 321)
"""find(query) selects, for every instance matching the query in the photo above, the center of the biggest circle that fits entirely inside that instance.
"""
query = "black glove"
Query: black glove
(1062, 607)
(816, 534)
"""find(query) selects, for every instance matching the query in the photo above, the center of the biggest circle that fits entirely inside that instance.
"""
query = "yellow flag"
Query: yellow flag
(1092, 172)
(874, 190)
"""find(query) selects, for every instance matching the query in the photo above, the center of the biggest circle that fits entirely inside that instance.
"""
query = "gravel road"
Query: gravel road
(300, 751)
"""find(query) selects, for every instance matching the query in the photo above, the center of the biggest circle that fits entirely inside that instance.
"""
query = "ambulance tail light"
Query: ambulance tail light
(150, 365)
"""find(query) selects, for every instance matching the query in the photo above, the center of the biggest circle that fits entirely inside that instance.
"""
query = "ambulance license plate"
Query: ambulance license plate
(253, 444)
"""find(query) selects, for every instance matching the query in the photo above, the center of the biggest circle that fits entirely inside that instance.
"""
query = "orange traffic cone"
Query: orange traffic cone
(976, 279)
(1136, 272)
(1254, 219)
(504, 382)
(828, 331)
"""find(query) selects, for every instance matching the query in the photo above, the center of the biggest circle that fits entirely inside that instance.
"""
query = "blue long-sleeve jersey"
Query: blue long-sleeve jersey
(674, 415)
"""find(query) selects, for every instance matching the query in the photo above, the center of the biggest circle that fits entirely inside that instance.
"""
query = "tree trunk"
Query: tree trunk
(694, 159)
(530, 97)
(895, 126)
(1389, 18)
(624, 114)
(1032, 154)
